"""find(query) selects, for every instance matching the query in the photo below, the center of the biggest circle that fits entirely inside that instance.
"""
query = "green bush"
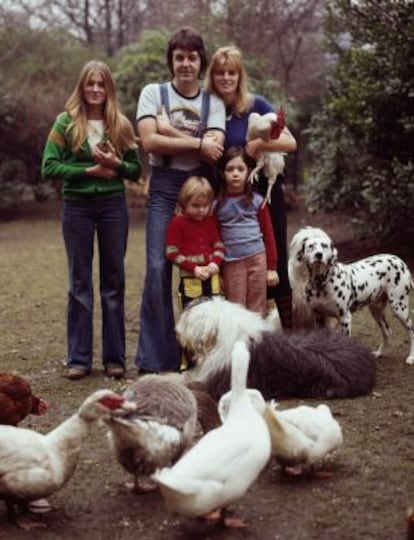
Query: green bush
(13, 178)
(389, 199)
(362, 136)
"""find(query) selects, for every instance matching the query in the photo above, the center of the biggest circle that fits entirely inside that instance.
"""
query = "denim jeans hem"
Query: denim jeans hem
(114, 363)
(78, 365)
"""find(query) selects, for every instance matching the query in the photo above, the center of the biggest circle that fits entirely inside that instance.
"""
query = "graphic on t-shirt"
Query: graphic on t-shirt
(186, 120)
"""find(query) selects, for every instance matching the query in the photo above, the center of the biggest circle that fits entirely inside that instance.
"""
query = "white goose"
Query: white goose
(35, 465)
(160, 430)
(225, 462)
(255, 397)
(302, 436)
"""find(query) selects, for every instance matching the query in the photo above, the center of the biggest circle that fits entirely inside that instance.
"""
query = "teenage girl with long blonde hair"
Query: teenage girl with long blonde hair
(91, 148)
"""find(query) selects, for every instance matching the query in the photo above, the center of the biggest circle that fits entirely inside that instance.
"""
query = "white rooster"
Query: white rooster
(267, 126)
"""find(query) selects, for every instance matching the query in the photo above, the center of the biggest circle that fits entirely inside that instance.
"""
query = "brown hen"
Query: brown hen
(17, 400)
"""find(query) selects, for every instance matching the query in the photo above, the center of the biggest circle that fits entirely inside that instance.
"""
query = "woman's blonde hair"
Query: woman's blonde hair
(230, 58)
(118, 129)
(194, 186)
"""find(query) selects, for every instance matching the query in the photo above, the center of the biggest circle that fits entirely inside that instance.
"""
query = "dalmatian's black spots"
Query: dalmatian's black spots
(397, 278)
(374, 282)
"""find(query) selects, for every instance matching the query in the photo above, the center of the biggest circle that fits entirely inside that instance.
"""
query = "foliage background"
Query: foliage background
(343, 71)
(364, 133)
(350, 108)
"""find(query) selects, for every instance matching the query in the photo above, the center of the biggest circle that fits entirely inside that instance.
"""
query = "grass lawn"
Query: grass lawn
(373, 480)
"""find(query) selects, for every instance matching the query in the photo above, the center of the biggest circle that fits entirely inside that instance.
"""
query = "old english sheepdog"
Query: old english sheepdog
(321, 363)
(332, 289)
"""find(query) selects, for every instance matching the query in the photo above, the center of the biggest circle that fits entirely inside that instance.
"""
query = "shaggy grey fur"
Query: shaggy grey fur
(322, 363)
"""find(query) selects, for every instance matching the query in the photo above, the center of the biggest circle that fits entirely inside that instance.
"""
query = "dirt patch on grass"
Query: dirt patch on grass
(373, 471)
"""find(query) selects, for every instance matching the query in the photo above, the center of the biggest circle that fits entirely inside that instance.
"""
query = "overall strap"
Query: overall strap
(166, 103)
(205, 111)
(164, 97)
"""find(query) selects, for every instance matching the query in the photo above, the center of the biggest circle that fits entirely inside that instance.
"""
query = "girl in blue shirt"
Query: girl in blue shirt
(227, 78)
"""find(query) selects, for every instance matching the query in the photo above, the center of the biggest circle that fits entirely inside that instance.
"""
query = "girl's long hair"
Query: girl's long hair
(229, 154)
(118, 129)
(230, 58)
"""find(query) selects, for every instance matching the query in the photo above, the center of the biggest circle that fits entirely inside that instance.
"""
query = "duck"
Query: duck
(17, 400)
(35, 465)
(302, 436)
(162, 427)
(223, 464)
(255, 396)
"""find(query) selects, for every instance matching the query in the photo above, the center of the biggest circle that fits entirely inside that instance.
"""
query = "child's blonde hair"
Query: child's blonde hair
(194, 186)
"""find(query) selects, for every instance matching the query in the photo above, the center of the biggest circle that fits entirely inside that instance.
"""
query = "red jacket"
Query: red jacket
(192, 243)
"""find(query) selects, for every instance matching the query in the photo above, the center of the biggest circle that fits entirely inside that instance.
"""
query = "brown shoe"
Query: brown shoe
(75, 373)
(113, 370)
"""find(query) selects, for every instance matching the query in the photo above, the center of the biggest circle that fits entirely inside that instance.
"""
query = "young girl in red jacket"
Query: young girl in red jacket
(193, 241)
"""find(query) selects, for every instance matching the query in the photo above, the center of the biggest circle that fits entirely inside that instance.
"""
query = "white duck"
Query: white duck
(255, 397)
(225, 462)
(158, 432)
(302, 436)
(35, 465)
(267, 126)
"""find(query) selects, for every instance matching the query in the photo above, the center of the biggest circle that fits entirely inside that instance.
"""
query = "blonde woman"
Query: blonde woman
(91, 147)
(227, 78)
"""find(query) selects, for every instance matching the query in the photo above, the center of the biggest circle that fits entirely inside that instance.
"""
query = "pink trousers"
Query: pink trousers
(245, 282)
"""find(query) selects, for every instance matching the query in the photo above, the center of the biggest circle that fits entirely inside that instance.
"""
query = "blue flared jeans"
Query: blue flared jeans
(108, 218)
(158, 349)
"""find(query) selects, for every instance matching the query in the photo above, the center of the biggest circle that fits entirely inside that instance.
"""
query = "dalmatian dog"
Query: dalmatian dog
(331, 289)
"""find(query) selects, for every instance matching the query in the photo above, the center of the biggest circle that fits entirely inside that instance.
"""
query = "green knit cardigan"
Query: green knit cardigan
(61, 163)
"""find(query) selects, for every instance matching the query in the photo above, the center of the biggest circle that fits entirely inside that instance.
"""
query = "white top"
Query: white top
(184, 115)
(96, 130)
